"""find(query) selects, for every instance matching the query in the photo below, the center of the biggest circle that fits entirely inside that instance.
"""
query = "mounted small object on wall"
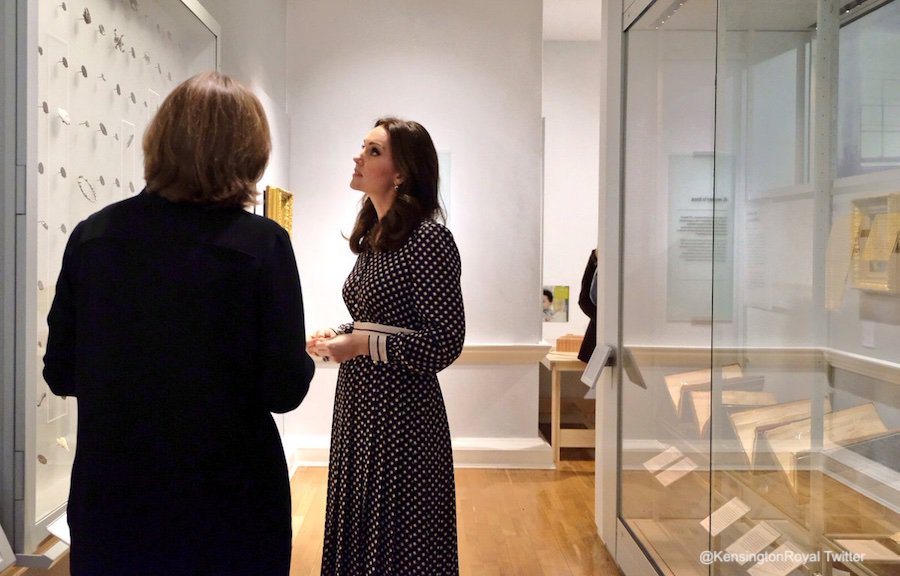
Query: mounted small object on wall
(86, 16)
(87, 189)
(118, 40)
(278, 205)
(875, 232)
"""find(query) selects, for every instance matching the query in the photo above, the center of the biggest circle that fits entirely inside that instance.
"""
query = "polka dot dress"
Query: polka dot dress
(391, 495)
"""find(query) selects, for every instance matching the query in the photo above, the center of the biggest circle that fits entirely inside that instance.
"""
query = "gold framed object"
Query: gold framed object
(875, 226)
(278, 204)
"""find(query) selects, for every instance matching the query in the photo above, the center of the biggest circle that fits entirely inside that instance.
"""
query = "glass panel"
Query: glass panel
(804, 461)
(669, 245)
(103, 72)
(763, 137)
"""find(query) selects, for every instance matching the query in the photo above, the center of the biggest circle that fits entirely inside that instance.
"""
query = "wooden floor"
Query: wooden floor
(515, 522)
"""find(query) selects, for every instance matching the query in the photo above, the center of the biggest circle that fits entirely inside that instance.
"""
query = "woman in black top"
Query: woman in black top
(178, 326)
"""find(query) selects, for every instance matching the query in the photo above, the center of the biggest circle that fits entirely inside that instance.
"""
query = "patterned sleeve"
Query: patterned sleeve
(434, 269)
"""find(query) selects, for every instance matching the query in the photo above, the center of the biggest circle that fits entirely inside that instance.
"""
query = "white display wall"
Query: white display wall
(102, 69)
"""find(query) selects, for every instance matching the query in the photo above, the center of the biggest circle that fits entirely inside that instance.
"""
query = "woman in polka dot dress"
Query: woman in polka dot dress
(391, 494)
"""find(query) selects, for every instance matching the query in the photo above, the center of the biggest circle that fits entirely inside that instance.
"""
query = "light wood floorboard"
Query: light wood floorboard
(510, 522)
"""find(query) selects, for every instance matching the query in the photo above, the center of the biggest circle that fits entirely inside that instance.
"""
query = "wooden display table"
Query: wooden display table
(557, 363)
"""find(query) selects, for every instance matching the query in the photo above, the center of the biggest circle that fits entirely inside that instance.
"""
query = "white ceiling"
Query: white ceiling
(572, 19)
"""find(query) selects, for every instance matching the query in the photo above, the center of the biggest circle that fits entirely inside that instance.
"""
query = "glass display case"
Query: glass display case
(759, 419)
(96, 72)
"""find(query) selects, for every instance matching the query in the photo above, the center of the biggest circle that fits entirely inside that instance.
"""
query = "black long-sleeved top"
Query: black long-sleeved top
(178, 328)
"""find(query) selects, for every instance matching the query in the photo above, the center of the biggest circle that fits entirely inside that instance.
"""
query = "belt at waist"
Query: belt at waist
(373, 328)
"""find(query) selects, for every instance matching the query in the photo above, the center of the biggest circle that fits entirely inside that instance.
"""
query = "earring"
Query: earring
(396, 187)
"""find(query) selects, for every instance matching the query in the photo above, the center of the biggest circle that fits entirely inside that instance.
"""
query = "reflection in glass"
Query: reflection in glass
(869, 94)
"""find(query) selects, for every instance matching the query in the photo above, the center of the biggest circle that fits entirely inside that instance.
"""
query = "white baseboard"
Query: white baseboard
(502, 453)
(467, 452)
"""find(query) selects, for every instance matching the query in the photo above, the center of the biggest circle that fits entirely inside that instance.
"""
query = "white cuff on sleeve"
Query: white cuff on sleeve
(378, 348)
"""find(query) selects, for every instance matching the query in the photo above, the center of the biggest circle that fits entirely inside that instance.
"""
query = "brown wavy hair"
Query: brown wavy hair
(415, 158)
(209, 143)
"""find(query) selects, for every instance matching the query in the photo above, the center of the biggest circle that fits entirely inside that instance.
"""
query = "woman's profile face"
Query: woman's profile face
(375, 173)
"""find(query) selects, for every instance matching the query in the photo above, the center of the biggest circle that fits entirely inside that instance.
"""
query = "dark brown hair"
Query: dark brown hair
(417, 197)
(208, 143)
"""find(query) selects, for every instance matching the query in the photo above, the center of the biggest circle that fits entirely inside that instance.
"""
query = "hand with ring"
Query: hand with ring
(313, 341)
(342, 347)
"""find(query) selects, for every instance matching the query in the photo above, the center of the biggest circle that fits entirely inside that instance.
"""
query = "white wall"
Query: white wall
(470, 72)
(571, 108)
(253, 50)
(253, 42)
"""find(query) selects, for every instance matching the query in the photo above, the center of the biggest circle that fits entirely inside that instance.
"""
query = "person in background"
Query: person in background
(587, 301)
(391, 493)
(178, 326)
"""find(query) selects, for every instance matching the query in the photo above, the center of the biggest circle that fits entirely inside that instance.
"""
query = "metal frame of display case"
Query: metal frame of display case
(8, 134)
(19, 55)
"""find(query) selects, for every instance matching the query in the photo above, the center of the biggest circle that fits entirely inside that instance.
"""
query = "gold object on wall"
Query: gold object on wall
(279, 206)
